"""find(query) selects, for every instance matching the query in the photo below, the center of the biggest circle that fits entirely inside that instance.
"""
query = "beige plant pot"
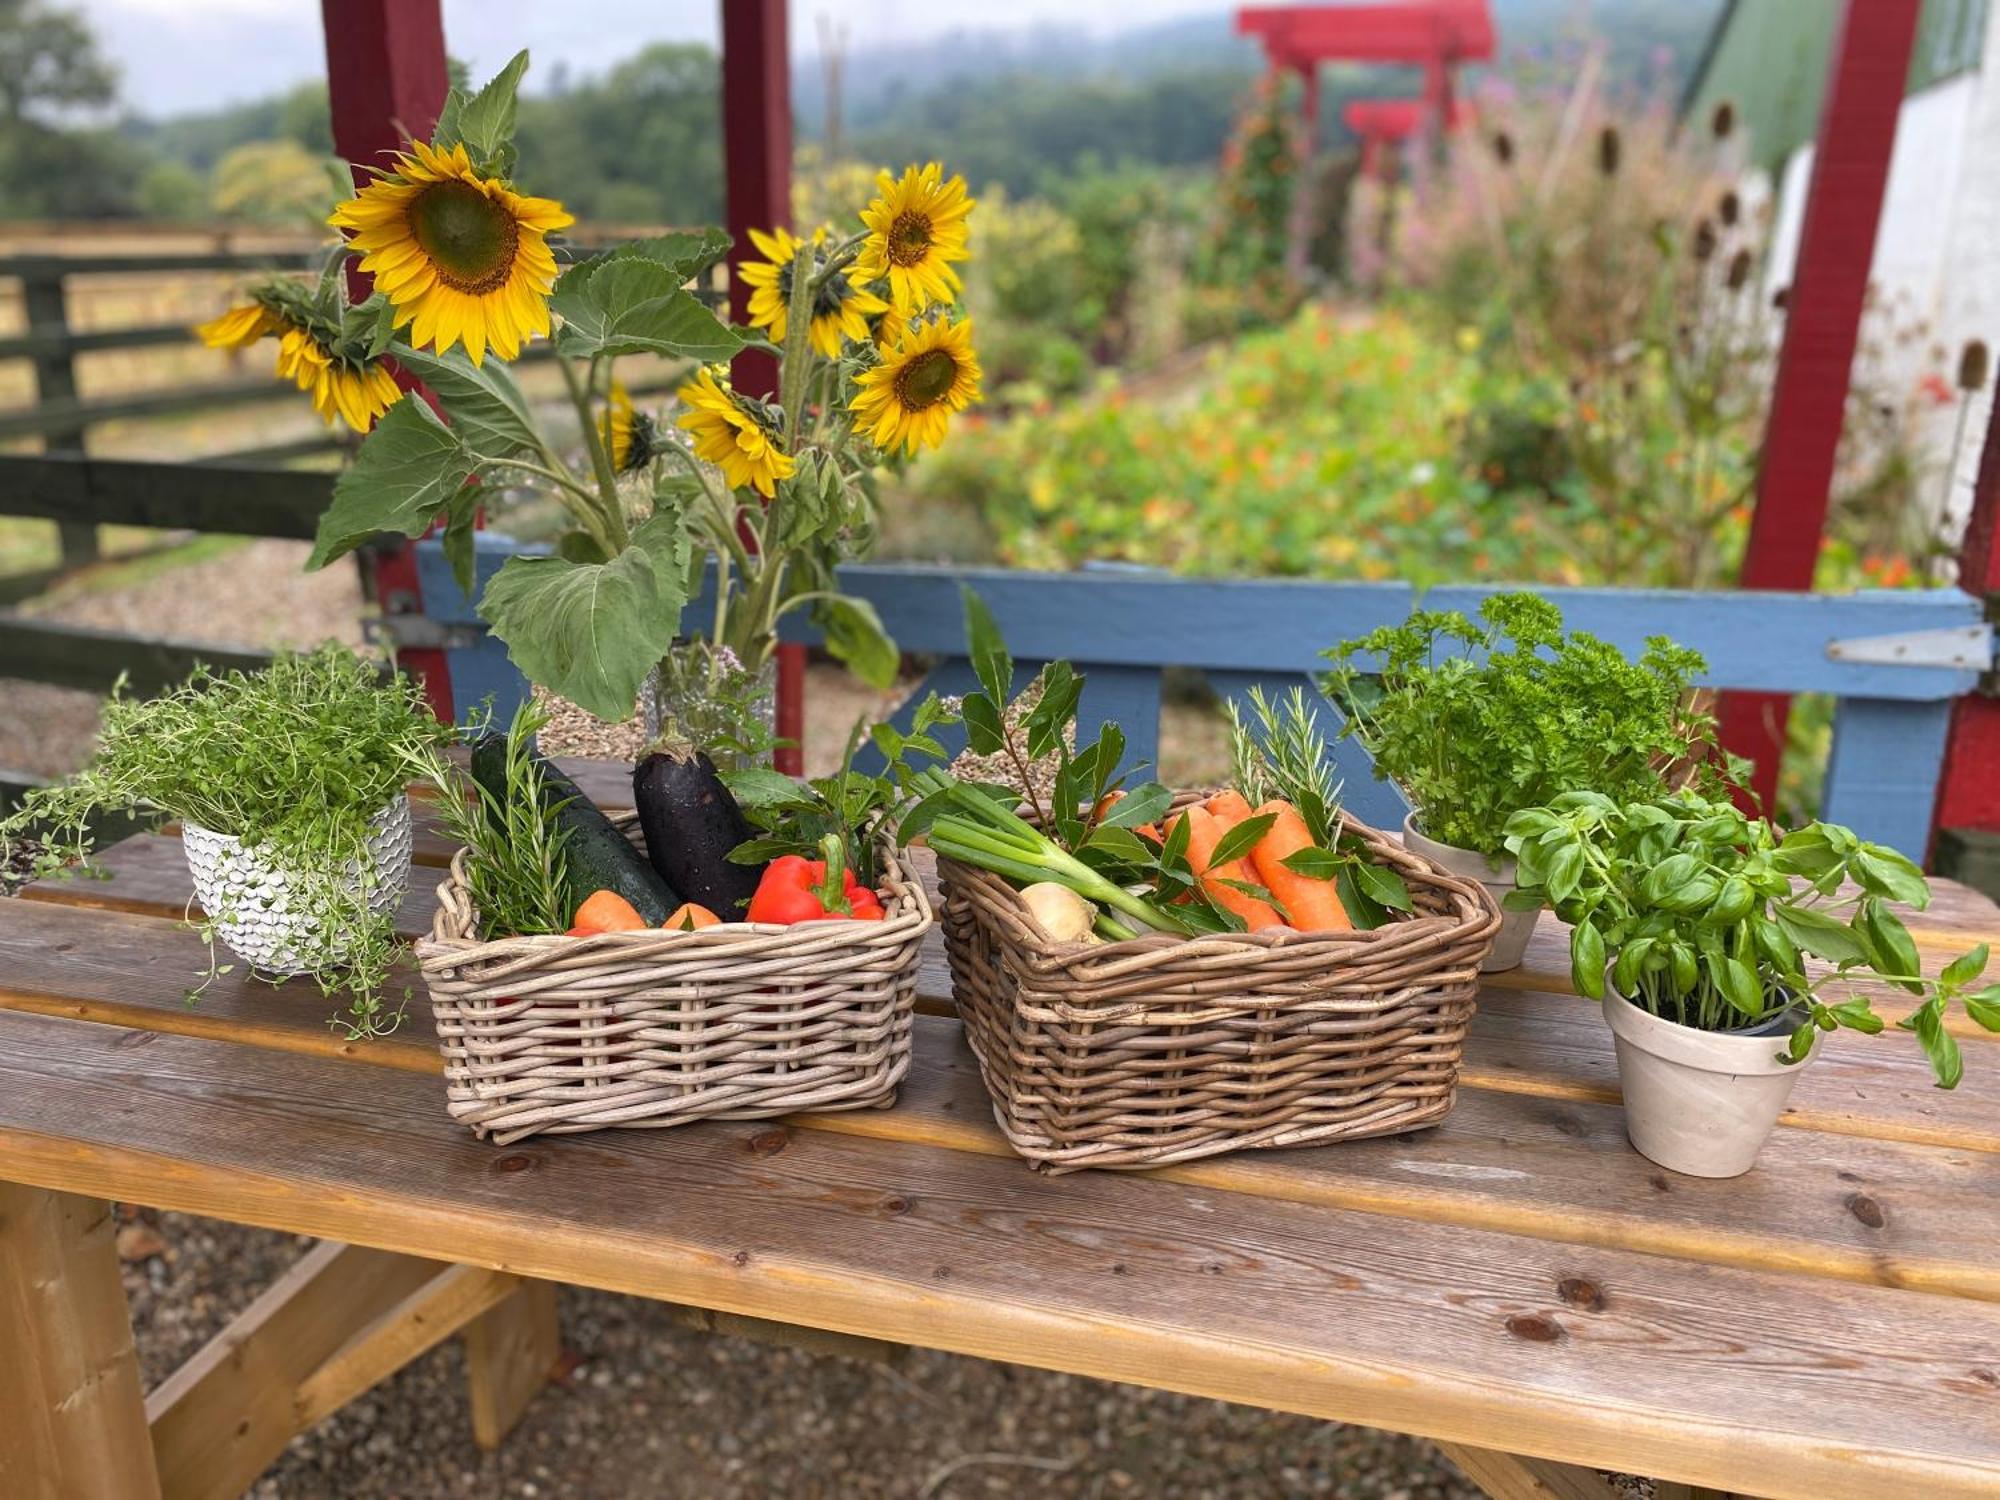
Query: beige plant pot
(1511, 943)
(1699, 1102)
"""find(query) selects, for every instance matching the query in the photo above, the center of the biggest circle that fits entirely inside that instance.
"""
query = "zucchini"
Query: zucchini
(691, 823)
(600, 858)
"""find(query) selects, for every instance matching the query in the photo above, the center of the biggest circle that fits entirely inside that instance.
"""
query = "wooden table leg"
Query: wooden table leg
(510, 1353)
(1508, 1476)
(74, 1414)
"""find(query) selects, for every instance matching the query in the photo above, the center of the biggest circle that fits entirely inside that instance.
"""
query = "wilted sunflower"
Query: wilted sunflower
(358, 392)
(627, 434)
(916, 227)
(239, 328)
(908, 399)
(733, 434)
(840, 309)
(463, 257)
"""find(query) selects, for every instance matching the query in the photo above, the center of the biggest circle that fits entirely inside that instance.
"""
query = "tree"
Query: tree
(49, 63)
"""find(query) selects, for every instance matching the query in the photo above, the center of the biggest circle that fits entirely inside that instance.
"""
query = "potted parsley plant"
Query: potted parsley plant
(1476, 719)
(1724, 951)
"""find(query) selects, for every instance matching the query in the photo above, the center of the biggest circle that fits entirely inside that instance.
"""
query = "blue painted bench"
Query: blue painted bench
(1894, 659)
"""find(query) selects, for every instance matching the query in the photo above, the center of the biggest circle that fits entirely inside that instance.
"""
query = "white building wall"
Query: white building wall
(1937, 260)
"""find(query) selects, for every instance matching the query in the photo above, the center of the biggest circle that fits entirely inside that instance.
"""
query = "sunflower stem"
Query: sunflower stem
(797, 360)
(600, 458)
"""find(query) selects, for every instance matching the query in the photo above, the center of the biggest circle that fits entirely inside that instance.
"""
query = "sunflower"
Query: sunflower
(239, 328)
(627, 434)
(916, 226)
(463, 257)
(840, 309)
(908, 399)
(358, 392)
(733, 434)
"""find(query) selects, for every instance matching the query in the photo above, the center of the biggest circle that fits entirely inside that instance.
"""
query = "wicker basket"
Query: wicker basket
(1164, 1049)
(737, 1022)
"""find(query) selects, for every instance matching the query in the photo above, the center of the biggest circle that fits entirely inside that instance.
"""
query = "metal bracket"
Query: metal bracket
(419, 633)
(1968, 648)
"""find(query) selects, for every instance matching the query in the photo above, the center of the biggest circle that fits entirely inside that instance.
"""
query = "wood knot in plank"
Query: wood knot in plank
(769, 1142)
(1584, 1296)
(515, 1161)
(1535, 1328)
(896, 1205)
(1867, 1210)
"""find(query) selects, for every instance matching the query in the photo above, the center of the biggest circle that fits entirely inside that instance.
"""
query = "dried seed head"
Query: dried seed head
(1972, 362)
(1723, 121)
(1704, 240)
(1739, 270)
(1781, 298)
(1730, 209)
(1503, 148)
(1609, 148)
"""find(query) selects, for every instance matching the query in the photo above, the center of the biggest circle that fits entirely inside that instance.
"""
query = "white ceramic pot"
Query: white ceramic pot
(1497, 875)
(250, 897)
(1700, 1102)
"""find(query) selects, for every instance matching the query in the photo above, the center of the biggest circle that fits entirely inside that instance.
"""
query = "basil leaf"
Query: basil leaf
(1586, 960)
(987, 649)
(1939, 1045)
(1966, 967)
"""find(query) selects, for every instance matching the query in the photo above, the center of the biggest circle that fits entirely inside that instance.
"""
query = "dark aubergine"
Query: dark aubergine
(598, 855)
(691, 823)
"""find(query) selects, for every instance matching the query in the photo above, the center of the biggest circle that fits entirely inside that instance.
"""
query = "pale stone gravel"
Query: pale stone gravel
(648, 1410)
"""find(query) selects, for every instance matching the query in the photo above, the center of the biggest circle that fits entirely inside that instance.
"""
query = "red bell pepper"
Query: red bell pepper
(790, 889)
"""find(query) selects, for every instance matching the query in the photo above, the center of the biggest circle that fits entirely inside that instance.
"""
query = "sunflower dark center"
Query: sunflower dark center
(469, 239)
(909, 238)
(831, 296)
(926, 380)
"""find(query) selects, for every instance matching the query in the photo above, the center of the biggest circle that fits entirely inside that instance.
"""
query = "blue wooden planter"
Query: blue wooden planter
(1894, 659)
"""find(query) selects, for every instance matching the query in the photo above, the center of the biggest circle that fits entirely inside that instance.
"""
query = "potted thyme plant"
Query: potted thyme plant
(1475, 719)
(1694, 925)
(288, 784)
(768, 496)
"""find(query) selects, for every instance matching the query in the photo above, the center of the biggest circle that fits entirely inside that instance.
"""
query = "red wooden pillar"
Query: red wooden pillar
(1299, 241)
(1969, 791)
(385, 80)
(1857, 133)
(757, 171)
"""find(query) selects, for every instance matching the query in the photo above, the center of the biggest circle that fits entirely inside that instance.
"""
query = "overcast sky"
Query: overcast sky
(182, 55)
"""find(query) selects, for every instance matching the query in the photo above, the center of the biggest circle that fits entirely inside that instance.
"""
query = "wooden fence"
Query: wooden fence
(1893, 659)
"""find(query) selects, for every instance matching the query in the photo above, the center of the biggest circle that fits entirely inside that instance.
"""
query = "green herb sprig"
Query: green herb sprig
(516, 864)
(1704, 918)
(1279, 751)
(1476, 720)
(296, 759)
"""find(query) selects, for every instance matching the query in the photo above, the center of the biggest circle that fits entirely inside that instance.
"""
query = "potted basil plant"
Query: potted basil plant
(1475, 719)
(1694, 924)
(288, 784)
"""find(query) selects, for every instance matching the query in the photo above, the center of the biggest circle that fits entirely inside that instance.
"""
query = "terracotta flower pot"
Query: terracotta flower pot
(1498, 878)
(1700, 1102)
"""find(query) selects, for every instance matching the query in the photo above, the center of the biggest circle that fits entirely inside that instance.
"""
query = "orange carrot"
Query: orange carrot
(1312, 905)
(607, 911)
(1205, 831)
(1229, 807)
(690, 915)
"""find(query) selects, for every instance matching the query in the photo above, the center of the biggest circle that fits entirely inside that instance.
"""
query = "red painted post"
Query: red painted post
(1857, 133)
(757, 170)
(386, 82)
(1969, 790)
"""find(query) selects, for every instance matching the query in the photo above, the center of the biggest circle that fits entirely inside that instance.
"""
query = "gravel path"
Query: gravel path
(647, 1409)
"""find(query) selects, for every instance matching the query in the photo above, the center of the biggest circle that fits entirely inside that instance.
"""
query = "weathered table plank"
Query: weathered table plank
(1555, 1168)
(1559, 1351)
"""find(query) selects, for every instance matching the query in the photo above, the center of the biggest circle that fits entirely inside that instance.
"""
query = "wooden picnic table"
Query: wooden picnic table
(1517, 1283)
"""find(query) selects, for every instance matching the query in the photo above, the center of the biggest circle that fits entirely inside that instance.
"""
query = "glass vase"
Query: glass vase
(703, 695)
